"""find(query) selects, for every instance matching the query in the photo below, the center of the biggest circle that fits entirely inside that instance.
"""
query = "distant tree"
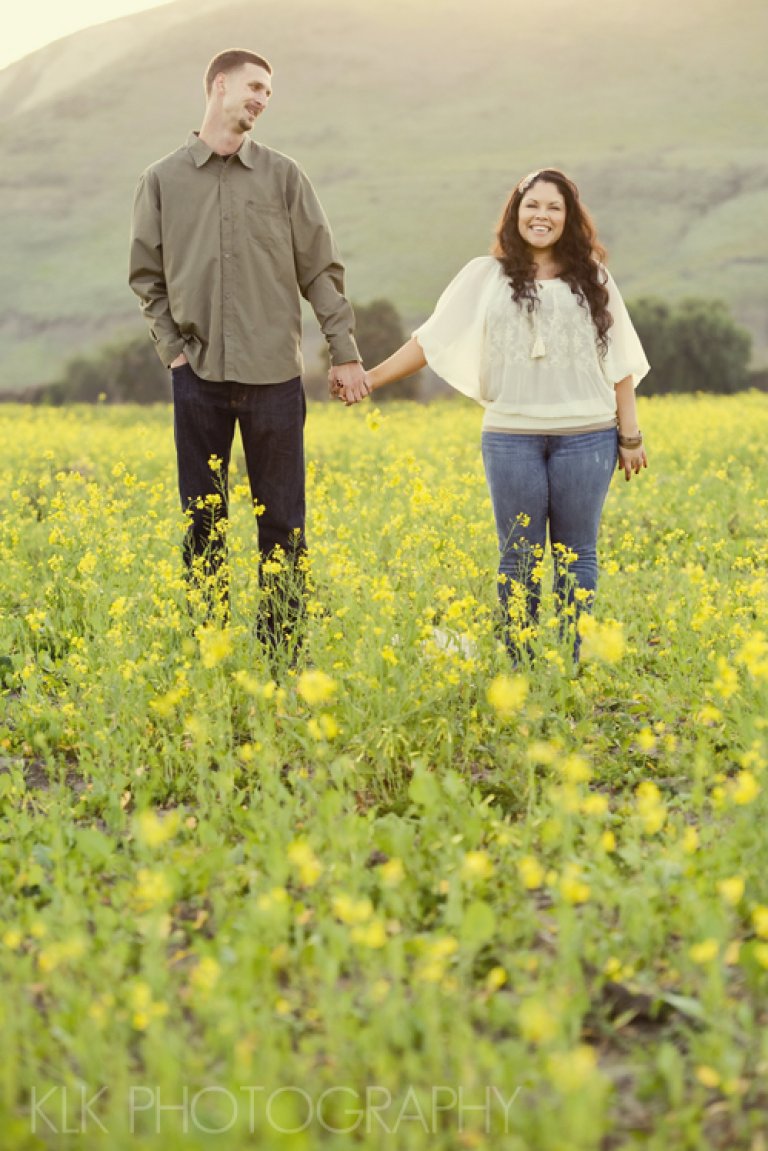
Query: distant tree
(81, 383)
(711, 347)
(758, 378)
(379, 332)
(127, 372)
(693, 347)
(139, 377)
(653, 320)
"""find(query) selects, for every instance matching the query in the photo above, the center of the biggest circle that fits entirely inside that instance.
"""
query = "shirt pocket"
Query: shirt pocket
(267, 225)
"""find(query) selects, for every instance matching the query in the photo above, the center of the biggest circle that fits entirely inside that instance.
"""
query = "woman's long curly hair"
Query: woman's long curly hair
(577, 251)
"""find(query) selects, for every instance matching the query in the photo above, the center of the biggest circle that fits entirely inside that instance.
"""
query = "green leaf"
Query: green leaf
(478, 923)
(424, 790)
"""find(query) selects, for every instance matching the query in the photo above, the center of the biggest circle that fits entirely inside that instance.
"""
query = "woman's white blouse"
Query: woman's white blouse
(530, 371)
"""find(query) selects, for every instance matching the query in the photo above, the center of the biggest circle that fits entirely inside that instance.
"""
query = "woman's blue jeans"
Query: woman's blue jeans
(538, 482)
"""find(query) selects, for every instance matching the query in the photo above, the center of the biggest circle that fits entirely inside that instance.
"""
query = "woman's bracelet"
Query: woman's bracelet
(631, 441)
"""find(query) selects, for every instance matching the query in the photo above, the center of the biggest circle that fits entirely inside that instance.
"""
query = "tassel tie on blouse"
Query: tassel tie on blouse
(538, 350)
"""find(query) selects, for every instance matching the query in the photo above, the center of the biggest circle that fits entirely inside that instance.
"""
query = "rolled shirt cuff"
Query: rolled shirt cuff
(344, 351)
(168, 350)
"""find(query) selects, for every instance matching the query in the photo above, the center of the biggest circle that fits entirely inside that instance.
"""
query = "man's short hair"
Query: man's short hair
(231, 59)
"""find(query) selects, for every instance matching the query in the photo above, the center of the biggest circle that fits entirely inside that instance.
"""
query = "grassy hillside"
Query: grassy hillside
(413, 117)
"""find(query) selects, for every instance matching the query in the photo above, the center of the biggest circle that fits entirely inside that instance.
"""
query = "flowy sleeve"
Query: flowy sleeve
(625, 355)
(452, 337)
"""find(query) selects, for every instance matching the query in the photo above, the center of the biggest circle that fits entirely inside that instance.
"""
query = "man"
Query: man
(227, 234)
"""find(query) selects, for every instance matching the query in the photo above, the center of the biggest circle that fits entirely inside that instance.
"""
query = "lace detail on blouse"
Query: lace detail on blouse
(529, 369)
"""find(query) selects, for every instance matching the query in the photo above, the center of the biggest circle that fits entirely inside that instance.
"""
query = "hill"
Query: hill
(413, 118)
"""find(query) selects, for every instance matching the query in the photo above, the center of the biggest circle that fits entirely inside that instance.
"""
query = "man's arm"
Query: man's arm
(320, 275)
(146, 275)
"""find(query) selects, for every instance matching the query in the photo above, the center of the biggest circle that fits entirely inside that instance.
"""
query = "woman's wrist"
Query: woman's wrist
(630, 438)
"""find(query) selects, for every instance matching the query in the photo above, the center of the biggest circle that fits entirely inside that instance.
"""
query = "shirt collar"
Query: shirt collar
(202, 152)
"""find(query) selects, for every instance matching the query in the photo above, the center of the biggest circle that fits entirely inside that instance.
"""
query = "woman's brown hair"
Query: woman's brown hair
(577, 251)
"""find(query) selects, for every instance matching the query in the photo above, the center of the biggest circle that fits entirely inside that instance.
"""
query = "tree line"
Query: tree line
(693, 346)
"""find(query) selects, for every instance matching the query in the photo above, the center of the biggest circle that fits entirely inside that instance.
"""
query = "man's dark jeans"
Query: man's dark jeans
(271, 419)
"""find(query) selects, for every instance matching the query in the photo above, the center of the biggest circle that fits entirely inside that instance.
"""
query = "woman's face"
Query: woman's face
(541, 215)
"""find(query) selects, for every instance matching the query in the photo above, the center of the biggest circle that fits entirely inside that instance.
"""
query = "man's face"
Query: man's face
(245, 94)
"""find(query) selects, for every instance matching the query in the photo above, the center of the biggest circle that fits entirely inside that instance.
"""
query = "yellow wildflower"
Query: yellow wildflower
(215, 645)
(731, 890)
(760, 952)
(537, 1021)
(576, 769)
(476, 865)
(726, 683)
(305, 861)
(646, 740)
(531, 872)
(650, 806)
(608, 841)
(145, 1009)
(153, 888)
(496, 978)
(760, 921)
(745, 788)
(350, 910)
(206, 975)
(601, 641)
(372, 934)
(753, 655)
(572, 887)
(705, 951)
(571, 1071)
(315, 687)
(690, 840)
(594, 805)
(435, 957)
(708, 1076)
(153, 830)
(506, 694)
(87, 565)
(12, 939)
(392, 872)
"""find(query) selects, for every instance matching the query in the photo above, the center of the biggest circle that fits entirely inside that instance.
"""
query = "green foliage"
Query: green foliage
(380, 332)
(120, 373)
(402, 866)
(694, 346)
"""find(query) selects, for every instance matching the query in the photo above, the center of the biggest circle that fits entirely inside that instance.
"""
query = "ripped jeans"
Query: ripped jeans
(537, 481)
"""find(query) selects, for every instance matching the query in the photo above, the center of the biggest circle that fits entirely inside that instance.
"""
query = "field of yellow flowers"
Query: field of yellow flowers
(399, 897)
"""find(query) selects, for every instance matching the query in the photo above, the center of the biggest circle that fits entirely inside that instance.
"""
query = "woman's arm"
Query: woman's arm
(406, 361)
(452, 337)
(632, 457)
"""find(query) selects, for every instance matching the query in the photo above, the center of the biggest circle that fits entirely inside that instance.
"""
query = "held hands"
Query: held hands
(348, 383)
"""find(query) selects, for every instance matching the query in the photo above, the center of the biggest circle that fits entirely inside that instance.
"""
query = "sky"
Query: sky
(35, 23)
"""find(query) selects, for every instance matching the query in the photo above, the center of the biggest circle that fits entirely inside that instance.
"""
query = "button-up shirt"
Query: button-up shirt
(221, 248)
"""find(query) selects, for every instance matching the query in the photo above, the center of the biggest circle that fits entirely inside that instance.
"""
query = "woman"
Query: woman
(538, 334)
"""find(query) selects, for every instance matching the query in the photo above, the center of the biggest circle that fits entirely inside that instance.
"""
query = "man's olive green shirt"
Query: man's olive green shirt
(221, 249)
